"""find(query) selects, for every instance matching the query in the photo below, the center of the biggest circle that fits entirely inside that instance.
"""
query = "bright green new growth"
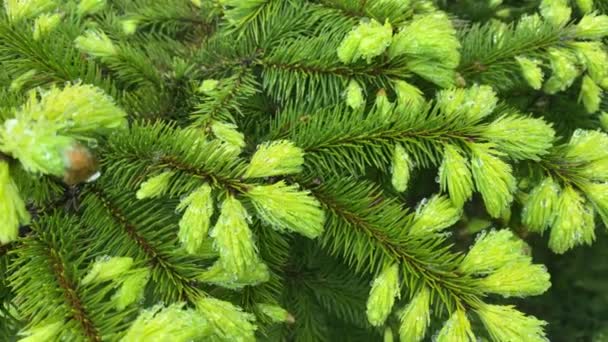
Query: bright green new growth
(557, 12)
(217, 274)
(493, 179)
(586, 6)
(402, 165)
(86, 7)
(129, 26)
(434, 215)
(77, 108)
(154, 186)
(503, 261)
(18, 83)
(472, 104)
(234, 241)
(531, 71)
(168, 323)
(409, 98)
(107, 268)
(416, 316)
(574, 225)
(354, 95)
(430, 44)
(196, 220)
(594, 57)
(47, 125)
(45, 23)
(45, 332)
(569, 208)
(275, 158)
(593, 26)
(565, 71)
(96, 43)
(366, 41)
(504, 323)
(132, 288)
(494, 250)
(228, 322)
(36, 145)
(587, 146)
(382, 105)
(507, 133)
(385, 289)
(519, 279)
(228, 133)
(12, 208)
(208, 86)
(455, 176)
(540, 206)
(596, 170)
(275, 313)
(284, 207)
(388, 335)
(18, 10)
(591, 95)
(456, 328)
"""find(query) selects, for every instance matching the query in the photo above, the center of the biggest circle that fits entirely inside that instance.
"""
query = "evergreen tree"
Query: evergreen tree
(306, 170)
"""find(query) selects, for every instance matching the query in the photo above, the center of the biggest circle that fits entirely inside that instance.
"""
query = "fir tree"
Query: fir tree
(306, 170)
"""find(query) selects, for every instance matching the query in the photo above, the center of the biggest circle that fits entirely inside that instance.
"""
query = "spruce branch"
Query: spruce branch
(124, 237)
(246, 13)
(336, 290)
(396, 12)
(309, 69)
(492, 60)
(377, 245)
(224, 101)
(570, 192)
(312, 323)
(501, 54)
(280, 117)
(274, 250)
(20, 54)
(169, 17)
(54, 256)
(338, 138)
